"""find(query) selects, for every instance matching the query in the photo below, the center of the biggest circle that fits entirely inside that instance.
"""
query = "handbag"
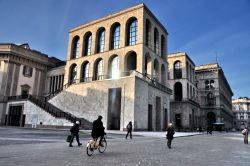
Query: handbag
(69, 137)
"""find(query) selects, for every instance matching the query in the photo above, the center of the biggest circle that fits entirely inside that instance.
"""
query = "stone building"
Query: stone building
(116, 67)
(184, 106)
(22, 73)
(215, 96)
(241, 109)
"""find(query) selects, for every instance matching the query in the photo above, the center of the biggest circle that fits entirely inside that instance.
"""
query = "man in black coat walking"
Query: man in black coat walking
(74, 133)
(129, 130)
(98, 130)
(170, 134)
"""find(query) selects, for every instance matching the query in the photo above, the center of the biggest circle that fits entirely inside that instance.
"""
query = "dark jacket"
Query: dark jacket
(98, 129)
(170, 133)
(129, 127)
(75, 129)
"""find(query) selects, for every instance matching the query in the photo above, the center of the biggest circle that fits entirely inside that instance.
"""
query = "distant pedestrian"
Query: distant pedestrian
(75, 133)
(129, 130)
(245, 134)
(209, 130)
(170, 134)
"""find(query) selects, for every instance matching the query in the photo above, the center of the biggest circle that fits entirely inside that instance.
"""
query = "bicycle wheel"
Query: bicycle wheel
(89, 150)
(103, 148)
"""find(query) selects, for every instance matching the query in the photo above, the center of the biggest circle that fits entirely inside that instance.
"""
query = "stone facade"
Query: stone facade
(32, 114)
(22, 72)
(241, 109)
(215, 95)
(134, 70)
(184, 106)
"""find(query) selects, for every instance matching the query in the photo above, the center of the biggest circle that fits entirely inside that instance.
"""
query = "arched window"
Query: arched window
(148, 65)
(148, 33)
(115, 36)
(85, 72)
(114, 67)
(72, 74)
(75, 47)
(177, 70)
(163, 75)
(132, 35)
(99, 70)
(207, 84)
(178, 91)
(156, 41)
(87, 45)
(163, 46)
(101, 40)
(131, 61)
(212, 84)
(156, 70)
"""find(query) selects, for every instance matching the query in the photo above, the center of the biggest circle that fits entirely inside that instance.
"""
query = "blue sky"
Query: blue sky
(202, 28)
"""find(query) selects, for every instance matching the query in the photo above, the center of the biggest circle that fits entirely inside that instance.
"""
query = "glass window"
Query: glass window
(115, 43)
(88, 42)
(101, 41)
(75, 47)
(133, 32)
(100, 70)
(85, 76)
(177, 70)
(27, 71)
(115, 68)
(73, 74)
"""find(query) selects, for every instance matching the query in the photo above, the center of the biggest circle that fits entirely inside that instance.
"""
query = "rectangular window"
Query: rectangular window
(27, 71)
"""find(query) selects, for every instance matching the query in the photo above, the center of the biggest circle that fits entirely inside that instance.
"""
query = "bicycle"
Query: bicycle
(93, 145)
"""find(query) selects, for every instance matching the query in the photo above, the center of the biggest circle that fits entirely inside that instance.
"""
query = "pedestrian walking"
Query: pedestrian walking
(170, 134)
(245, 134)
(129, 130)
(75, 133)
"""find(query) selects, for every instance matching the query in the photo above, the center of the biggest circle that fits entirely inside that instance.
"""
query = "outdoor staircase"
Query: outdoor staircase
(52, 110)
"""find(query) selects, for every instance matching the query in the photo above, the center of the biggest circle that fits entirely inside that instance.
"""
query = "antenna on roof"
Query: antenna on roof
(216, 57)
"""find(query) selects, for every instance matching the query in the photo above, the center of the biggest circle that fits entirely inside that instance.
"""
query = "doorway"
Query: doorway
(178, 120)
(158, 114)
(150, 127)
(15, 114)
(114, 108)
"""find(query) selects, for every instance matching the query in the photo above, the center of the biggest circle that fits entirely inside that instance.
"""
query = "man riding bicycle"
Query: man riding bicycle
(98, 130)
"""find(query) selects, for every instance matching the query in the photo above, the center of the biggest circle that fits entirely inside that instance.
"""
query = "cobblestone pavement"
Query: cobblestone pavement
(26, 147)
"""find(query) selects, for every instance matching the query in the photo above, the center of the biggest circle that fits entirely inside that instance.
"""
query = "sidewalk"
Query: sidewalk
(160, 134)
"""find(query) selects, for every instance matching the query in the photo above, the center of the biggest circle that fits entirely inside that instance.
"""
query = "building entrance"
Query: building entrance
(211, 118)
(14, 117)
(158, 114)
(114, 109)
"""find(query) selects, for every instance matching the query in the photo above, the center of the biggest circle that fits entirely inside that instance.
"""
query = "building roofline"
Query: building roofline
(176, 54)
(141, 5)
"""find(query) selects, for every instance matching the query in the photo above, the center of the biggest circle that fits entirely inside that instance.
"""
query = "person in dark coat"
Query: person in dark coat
(245, 134)
(74, 133)
(129, 130)
(170, 134)
(98, 130)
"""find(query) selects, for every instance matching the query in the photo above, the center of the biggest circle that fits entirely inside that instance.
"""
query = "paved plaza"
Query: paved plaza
(29, 147)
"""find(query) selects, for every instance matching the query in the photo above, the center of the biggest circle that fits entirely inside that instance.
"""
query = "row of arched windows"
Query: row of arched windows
(156, 40)
(114, 69)
(131, 35)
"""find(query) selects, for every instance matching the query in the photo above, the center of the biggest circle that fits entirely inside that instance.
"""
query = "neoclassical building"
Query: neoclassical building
(116, 67)
(241, 109)
(215, 95)
(184, 106)
(22, 73)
